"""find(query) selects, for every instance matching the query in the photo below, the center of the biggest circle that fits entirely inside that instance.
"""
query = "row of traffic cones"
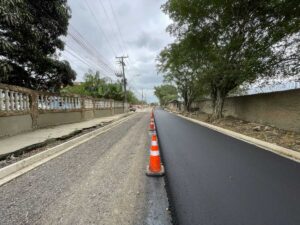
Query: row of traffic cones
(155, 168)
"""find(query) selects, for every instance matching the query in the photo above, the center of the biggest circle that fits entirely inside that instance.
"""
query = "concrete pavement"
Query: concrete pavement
(22, 141)
(99, 182)
(214, 179)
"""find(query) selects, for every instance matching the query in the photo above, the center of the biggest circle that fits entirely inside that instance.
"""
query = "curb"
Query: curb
(48, 141)
(19, 168)
(284, 152)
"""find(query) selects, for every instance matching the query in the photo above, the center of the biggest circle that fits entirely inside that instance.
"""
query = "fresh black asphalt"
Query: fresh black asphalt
(214, 179)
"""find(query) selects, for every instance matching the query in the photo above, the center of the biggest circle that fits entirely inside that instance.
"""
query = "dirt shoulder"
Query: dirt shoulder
(287, 139)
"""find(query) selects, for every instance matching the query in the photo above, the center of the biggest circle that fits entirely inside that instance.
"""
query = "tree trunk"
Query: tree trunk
(185, 102)
(188, 107)
(218, 105)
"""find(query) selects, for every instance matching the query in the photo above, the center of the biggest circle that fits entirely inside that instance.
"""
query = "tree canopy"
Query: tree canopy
(230, 43)
(178, 65)
(100, 87)
(30, 34)
(165, 93)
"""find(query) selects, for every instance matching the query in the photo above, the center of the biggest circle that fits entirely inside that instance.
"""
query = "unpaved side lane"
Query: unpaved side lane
(99, 182)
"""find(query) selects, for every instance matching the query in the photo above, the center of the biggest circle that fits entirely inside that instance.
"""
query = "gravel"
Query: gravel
(99, 182)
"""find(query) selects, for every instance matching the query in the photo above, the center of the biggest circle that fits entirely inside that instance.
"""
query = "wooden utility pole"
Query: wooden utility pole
(122, 63)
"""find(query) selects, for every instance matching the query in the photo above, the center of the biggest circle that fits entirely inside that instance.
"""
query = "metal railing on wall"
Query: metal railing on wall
(56, 102)
(14, 100)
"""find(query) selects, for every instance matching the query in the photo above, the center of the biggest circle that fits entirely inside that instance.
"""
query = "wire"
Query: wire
(81, 43)
(99, 27)
(90, 52)
(117, 37)
(83, 60)
(90, 46)
(118, 26)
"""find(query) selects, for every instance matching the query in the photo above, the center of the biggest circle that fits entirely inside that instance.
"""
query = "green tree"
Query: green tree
(96, 86)
(131, 98)
(30, 34)
(114, 91)
(179, 65)
(93, 85)
(237, 41)
(165, 93)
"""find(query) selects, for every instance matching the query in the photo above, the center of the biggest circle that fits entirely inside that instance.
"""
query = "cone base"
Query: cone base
(155, 174)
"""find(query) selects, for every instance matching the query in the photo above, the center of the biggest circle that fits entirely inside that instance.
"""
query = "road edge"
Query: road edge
(28, 148)
(21, 167)
(279, 150)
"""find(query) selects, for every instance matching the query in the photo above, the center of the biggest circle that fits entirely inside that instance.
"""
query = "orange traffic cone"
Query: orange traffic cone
(155, 168)
(152, 125)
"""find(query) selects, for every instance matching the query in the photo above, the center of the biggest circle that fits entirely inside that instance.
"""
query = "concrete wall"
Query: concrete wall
(23, 109)
(15, 124)
(57, 118)
(279, 109)
(103, 112)
(87, 115)
(118, 110)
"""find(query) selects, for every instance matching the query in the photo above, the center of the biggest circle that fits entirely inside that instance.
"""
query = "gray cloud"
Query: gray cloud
(142, 25)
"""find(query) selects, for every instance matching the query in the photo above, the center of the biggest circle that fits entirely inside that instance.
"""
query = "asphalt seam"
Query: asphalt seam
(170, 197)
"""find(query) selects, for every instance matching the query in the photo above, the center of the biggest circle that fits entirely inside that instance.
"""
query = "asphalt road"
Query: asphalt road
(214, 179)
(99, 182)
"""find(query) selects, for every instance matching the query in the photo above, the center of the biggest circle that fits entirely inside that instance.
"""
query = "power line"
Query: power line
(88, 62)
(111, 25)
(84, 45)
(118, 26)
(76, 56)
(90, 52)
(90, 46)
(86, 58)
(84, 61)
(99, 27)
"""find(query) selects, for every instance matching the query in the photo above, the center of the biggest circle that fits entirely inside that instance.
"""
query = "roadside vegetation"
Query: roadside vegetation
(30, 46)
(222, 45)
(30, 34)
(165, 93)
(96, 86)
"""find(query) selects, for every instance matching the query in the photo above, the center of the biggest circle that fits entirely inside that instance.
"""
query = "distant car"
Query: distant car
(132, 109)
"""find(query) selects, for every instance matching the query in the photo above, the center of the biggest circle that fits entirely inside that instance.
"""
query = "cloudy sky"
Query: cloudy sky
(102, 29)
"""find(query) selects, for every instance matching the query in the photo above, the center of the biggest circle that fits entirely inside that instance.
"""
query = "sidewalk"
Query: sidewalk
(18, 142)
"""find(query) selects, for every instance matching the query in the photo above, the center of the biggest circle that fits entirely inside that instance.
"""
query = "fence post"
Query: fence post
(1, 100)
(34, 111)
(6, 100)
(12, 102)
(94, 108)
(82, 106)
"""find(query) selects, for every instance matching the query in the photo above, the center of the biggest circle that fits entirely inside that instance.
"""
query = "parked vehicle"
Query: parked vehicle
(132, 108)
